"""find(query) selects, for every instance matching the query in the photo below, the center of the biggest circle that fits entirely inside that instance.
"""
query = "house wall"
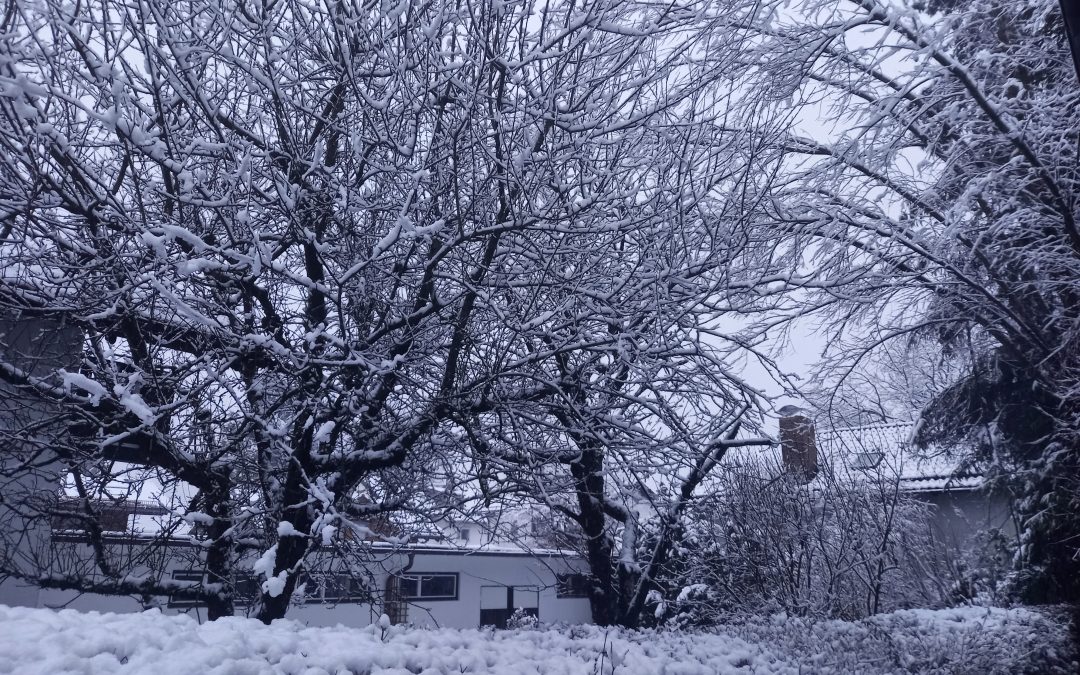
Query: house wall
(960, 514)
(37, 347)
(533, 578)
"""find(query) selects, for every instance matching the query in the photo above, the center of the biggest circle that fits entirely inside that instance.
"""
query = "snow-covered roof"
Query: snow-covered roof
(132, 522)
(888, 449)
(874, 451)
(375, 547)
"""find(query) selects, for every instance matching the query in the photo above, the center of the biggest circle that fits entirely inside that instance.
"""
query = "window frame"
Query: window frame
(243, 599)
(420, 597)
(186, 575)
(356, 593)
(239, 578)
(867, 461)
(565, 588)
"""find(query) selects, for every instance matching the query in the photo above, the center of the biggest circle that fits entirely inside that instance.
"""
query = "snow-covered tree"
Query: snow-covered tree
(620, 488)
(939, 203)
(311, 248)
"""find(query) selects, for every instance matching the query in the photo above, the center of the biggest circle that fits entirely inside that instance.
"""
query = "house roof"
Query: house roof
(378, 548)
(853, 449)
(119, 527)
(875, 451)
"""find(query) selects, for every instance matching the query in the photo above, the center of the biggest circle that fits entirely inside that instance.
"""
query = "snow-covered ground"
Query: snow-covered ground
(970, 640)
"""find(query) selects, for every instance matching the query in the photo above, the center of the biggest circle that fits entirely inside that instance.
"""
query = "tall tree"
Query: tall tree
(306, 243)
(942, 205)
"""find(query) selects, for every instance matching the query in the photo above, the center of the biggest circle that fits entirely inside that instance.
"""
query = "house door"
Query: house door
(497, 603)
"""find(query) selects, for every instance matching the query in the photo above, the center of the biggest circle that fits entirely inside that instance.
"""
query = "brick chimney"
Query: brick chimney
(798, 443)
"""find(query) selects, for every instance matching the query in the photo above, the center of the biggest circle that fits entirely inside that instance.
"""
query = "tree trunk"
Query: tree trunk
(218, 560)
(628, 616)
(589, 479)
(291, 549)
(1070, 10)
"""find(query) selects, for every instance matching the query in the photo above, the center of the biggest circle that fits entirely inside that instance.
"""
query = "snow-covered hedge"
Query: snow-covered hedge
(950, 641)
(960, 640)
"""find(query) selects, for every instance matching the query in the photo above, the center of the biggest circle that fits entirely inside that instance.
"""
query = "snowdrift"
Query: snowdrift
(969, 640)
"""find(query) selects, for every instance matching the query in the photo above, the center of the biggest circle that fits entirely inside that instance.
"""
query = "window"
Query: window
(185, 575)
(572, 586)
(463, 534)
(335, 588)
(110, 518)
(246, 589)
(428, 586)
(867, 460)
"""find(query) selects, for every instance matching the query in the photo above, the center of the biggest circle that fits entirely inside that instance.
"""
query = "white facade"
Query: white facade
(500, 580)
(29, 472)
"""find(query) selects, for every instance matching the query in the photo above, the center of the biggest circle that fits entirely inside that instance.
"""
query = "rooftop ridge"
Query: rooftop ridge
(866, 427)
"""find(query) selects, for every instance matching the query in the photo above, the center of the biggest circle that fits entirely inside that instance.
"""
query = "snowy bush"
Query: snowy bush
(984, 574)
(831, 549)
(522, 620)
(959, 640)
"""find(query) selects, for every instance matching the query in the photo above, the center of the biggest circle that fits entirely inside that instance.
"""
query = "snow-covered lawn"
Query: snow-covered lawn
(949, 641)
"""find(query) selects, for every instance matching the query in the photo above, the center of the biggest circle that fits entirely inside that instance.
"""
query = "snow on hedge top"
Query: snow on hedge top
(35, 641)
(43, 641)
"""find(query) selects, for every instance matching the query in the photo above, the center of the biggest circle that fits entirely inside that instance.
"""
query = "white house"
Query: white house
(447, 583)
